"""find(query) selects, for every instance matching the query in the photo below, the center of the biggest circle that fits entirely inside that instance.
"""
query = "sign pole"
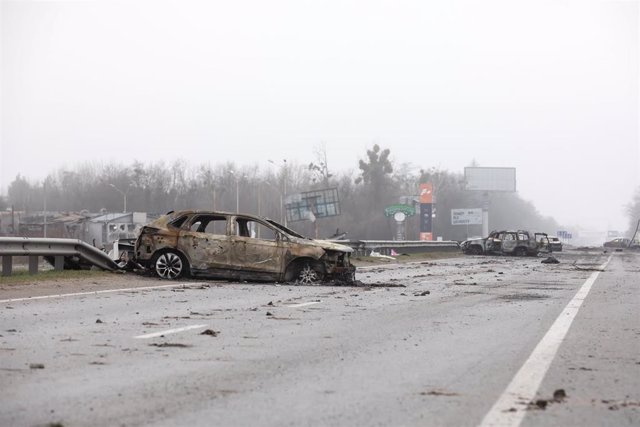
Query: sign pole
(485, 215)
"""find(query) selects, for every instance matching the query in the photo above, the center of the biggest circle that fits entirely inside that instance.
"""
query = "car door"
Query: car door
(509, 242)
(543, 242)
(204, 239)
(256, 247)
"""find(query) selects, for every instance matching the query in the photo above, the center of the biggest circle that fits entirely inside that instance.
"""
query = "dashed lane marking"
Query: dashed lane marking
(169, 332)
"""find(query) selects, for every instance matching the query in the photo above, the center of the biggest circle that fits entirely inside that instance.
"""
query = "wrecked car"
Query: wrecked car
(555, 244)
(518, 243)
(238, 247)
(622, 243)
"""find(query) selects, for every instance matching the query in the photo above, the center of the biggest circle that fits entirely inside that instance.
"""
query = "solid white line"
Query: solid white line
(105, 291)
(169, 331)
(304, 304)
(526, 382)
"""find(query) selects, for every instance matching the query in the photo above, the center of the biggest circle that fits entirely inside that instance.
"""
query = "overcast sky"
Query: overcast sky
(550, 88)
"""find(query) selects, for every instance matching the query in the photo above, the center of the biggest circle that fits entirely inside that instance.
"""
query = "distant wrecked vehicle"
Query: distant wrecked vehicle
(518, 243)
(622, 242)
(555, 244)
(238, 247)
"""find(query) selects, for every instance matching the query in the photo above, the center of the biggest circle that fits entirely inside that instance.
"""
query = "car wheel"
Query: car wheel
(169, 265)
(474, 250)
(308, 275)
(520, 252)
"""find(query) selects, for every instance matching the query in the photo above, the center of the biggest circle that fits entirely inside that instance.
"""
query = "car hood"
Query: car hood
(475, 239)
(324, 244)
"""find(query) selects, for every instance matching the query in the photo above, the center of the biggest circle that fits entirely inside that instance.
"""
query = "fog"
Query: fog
(550, 88)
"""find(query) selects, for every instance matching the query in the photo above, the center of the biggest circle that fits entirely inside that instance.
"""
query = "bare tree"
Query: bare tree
(320, 168)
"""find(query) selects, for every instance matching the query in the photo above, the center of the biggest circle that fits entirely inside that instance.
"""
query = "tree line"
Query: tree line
(159, 187)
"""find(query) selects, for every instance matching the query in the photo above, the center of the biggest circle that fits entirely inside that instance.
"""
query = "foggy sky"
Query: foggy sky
(550, 88)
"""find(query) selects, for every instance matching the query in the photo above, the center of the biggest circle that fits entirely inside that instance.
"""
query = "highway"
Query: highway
(466, 341)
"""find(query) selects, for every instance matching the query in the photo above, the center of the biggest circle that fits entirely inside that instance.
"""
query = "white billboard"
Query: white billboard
(466, 216)
(490, 179)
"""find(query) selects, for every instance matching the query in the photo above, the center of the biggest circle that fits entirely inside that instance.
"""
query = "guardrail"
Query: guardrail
(61, 253)
(384, 247)
(76, 254)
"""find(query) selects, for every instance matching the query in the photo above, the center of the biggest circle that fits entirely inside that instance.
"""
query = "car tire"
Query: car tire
(308, 274)
(169, 265)
(520, 252)
(475, 250)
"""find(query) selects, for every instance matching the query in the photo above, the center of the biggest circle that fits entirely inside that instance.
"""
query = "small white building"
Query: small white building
(103, 230)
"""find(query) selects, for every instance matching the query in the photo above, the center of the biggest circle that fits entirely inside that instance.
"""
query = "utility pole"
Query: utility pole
(44, 190)
(123, 195)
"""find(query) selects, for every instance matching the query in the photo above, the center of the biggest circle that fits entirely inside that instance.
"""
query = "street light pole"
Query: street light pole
(124, 195)
(237, 189)
(44, 190)
(283, 190)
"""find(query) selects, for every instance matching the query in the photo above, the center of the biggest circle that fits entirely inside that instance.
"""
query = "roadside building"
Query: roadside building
(103, 230)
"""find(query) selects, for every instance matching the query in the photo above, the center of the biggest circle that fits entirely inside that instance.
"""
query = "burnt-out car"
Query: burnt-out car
(622, 243)
(555, 244)
(516, 242)
(238, 247)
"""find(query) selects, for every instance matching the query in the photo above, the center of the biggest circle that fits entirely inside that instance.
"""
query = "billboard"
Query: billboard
(490, 179)
(426, 211)
(466, 216)
(426, 193)
(310, 205)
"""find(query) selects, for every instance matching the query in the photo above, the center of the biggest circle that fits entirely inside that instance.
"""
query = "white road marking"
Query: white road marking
(105, 291)
(304, 304)
(526, 382)
(169, 332)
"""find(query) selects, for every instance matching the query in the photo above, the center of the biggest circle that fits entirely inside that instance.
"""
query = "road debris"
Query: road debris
(36, 366)
(438, 393)
(587, 267)
(558, 397)
(617, 405)
(99, 321)
(550, 260)
(169, 344)
(360, 284)
(210, 332)
(421, 294)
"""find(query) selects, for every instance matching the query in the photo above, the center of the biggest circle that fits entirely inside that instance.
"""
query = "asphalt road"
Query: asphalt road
(473, 341)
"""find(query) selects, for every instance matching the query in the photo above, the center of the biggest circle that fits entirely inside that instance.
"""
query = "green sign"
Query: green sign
(405, 209)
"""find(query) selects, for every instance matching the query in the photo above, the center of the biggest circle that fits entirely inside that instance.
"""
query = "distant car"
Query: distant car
(622, 242)
(238, 247)
(555, 244)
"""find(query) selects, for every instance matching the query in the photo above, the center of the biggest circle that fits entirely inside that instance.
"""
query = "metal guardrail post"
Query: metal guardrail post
(33, 264)
(58, 263)
(7, 264)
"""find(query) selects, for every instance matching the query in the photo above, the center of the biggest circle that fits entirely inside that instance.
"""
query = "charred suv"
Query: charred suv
(518, 243)
(238, 247)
